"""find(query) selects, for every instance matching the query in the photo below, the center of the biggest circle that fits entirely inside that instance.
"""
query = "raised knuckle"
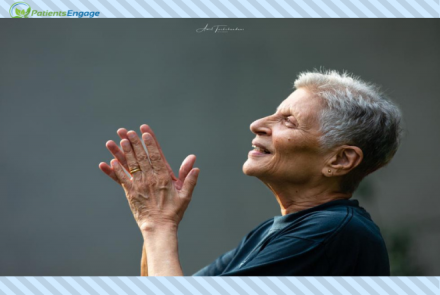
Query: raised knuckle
(142, 158)
(154, 157)
(163, 188)
(148, 139)
(162, 181)
(126, 148)
(151, 182)
(136, 143)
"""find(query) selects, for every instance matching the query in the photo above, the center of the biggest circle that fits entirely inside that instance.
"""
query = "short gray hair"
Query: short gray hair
(355, 113)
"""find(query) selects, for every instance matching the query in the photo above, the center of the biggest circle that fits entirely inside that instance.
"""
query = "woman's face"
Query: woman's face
(290, 142)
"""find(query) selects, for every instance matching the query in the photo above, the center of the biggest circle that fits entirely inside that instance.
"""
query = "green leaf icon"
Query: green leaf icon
(17, 11)
(28, 11)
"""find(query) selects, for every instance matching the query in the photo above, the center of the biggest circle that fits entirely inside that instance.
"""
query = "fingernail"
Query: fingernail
(131, 135)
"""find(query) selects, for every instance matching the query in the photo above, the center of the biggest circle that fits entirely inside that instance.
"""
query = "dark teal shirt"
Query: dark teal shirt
(337, 238)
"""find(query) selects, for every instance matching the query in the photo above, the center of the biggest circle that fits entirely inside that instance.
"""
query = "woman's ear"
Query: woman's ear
(345, 159)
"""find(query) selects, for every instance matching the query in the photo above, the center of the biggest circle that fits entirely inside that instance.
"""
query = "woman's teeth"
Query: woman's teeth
(256, 148)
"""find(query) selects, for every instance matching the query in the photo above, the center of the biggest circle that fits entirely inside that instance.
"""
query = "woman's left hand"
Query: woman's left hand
(151, 192)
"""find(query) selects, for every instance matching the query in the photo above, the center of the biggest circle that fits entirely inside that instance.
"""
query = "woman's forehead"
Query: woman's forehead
(299, 101)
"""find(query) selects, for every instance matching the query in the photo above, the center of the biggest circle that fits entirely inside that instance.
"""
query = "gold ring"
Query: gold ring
(135, 170)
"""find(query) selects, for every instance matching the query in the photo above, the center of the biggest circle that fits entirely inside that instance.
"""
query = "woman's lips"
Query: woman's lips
(260, 148)
(256, 153)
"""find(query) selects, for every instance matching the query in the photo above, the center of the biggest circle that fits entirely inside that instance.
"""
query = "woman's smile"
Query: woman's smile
(258, 153)
(259, 149)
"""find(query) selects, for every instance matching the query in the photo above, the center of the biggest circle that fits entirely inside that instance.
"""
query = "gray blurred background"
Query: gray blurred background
(67, 85)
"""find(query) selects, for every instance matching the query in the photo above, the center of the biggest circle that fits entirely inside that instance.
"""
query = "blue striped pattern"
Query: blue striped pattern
(232, 285)
(219, 286)
(241, 8)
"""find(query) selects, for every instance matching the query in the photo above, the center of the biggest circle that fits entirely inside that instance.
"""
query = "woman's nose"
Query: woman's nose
(260, 127)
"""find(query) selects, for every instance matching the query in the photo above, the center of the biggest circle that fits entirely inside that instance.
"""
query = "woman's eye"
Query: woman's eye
(288, 121)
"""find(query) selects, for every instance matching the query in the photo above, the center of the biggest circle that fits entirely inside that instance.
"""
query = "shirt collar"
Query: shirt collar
(282, 221)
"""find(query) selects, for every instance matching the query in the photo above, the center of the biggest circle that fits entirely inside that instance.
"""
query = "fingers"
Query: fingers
(117, 153)
(190, 183)
(120, 174)
(147, 129)
(185, 168)
(109, 171)
(122, 133)
(157, 162)
(132, 163)
(139, 152)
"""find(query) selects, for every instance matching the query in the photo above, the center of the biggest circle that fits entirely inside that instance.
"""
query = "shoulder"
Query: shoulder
(357, 232)
(323, 223)
(361, 227)
(358, 247)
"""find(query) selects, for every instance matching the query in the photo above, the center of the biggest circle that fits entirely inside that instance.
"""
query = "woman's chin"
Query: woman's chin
(250, 169)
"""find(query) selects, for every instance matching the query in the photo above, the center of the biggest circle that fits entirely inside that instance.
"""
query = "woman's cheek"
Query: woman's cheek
(286, 145)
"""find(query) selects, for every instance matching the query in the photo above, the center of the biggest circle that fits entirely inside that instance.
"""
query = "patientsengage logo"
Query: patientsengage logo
(23, 10)
(20, 10)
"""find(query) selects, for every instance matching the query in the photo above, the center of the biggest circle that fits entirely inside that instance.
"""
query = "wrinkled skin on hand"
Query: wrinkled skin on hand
(154, 194)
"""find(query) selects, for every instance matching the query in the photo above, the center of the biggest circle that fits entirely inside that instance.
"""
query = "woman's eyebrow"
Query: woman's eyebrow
(281, 109)
(286, 110)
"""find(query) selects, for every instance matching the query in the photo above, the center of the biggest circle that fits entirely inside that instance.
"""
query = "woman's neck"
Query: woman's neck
(294, 198)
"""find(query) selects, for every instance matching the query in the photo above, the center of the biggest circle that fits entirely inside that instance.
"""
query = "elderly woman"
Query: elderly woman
(330, 133)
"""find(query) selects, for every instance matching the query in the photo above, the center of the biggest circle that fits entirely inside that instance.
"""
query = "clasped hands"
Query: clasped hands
(155, 195)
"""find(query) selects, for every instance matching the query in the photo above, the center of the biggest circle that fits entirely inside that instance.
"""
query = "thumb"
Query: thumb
(190, 183)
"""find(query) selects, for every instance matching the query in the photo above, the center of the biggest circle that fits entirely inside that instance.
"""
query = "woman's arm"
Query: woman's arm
(162, 250)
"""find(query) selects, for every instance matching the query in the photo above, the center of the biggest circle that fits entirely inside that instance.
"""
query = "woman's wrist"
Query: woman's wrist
(158, 227)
